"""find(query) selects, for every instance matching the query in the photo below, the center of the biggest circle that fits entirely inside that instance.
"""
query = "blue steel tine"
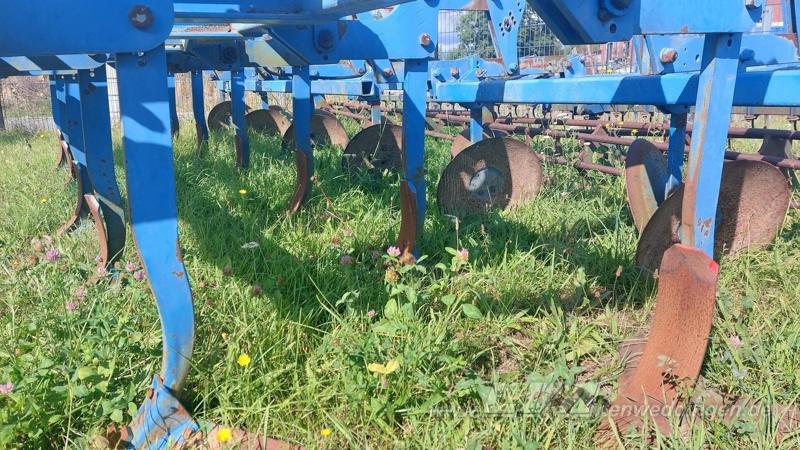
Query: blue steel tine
(54, 102)
(675, 152)
(238, 114)
(198, 108)
(412, 195)
(99, 150)
(709, 136)
(73, 133)
(61, 96)
(475, 124)
(304, 157)
(173, 106)
(55, 107)
(152, 203)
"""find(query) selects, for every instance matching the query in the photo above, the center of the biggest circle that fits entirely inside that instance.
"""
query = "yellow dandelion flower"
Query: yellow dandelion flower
(42, 200)
(325, 432)
(243, 360)
(224, 434)
(242, 191)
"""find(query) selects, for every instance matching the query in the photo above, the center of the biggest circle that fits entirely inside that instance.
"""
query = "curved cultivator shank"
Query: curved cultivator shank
(675, 347)
(494, 173)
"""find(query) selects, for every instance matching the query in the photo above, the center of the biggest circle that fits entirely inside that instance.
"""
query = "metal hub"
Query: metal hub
(486, 184)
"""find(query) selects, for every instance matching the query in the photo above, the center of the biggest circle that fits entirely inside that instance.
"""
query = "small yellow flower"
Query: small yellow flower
(384, 369)
(242, 191)
(42, 200)
(225, 336)
(243, 360)
(325, 432)
(224, 435)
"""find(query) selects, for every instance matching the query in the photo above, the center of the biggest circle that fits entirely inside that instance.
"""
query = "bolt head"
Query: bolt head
(141, 16)
(325, 39)
(425, 39)
(668, 55)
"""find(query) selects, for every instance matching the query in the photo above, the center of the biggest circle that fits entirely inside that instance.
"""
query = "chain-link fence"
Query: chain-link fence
(25, 101)
(25, 104)
(466, 33)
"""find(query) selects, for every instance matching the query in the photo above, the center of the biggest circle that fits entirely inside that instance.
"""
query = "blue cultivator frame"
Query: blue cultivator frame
(302, 34)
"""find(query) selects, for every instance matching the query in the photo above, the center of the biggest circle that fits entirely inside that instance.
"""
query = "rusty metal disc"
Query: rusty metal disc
(753, 200)
(268, 121)
(325, 130)
(494, 173)
(462, 140)
(375, 148)
(646, 176)
(219, 118)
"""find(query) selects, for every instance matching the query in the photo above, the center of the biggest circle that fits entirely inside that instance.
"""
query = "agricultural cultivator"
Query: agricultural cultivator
(703, 58)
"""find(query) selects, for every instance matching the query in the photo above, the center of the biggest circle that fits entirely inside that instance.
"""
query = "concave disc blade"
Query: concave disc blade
(646, 176)
(462, 140)
(753, 200)
(268, 121)
(375, 148)
(494, 173)
(325, 130)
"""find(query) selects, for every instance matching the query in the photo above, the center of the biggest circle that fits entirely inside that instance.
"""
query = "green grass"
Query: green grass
(550, 290)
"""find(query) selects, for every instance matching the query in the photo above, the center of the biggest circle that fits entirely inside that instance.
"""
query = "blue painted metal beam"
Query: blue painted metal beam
(355, 87)
(709, 140)
(753, 88)
(55, 27)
